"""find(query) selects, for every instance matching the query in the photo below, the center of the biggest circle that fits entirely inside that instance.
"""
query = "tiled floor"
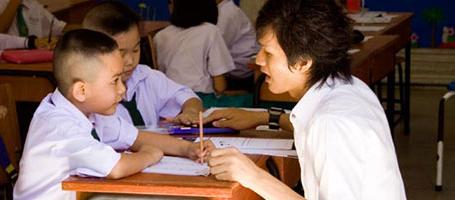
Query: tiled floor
(417, 152)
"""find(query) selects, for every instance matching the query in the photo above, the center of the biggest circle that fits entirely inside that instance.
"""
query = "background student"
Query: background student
(150, 94)
(191, 51)
(240, 38)
(341, 134)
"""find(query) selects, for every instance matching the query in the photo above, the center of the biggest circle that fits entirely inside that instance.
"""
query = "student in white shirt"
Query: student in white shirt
(192, 52)
(62, 139)
(240, 38)
(341, 134)
(28, 17)
(156, 95)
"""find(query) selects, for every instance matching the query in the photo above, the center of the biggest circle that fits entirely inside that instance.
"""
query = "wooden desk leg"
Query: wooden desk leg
(390, 110)
(407, 89)
(83, 195)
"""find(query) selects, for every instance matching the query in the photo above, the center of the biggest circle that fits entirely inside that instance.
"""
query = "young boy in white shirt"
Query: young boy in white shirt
(62, 139)
(154, 94)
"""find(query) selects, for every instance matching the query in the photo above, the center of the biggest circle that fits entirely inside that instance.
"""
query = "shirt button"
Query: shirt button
(293, 116)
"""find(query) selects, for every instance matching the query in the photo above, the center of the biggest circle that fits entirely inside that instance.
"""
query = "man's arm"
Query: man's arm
(242, 119)
(8, 15)
(190, 112)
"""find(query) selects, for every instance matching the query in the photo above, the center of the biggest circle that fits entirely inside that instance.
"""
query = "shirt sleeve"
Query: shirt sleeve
(219, 59)
(338, 154)
(86, 156)
(12, 42)
(171, 95)
(116, 131)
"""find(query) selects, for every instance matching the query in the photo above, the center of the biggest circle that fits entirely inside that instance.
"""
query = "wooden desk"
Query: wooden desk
(161, 184)
(30, 82)
(401, 26)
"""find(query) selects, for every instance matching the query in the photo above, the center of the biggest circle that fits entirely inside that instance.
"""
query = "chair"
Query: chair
(440, 146)
(9, 133)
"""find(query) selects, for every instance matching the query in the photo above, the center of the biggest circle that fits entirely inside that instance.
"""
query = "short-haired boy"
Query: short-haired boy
(154, 94)
(62, 140)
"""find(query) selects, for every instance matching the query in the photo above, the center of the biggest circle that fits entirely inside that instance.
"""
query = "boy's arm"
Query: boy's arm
(219, 84)
(131, 163)
(173, 146)
(8, 15)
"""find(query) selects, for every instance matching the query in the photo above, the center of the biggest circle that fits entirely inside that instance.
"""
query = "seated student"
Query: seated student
(191, 51)
(341, 134)
(150, 94)
(28, 17)
(62, 140)
(240, 38)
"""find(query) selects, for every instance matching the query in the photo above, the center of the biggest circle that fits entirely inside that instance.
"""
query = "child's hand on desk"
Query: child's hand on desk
(194, 152)
(187, 118)
(231, 165)
(43, 43)
(3, 112)
(236, 118)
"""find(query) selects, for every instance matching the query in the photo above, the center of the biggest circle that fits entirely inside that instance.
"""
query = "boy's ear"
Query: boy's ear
(79, 91)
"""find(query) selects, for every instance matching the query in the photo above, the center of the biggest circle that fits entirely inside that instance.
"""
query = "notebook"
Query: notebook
(27, 56)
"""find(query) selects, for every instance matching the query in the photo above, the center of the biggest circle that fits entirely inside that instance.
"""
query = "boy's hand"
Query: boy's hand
(189, 117)
(194, 151)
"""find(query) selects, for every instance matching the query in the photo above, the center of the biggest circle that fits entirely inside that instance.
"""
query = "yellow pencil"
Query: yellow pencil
(201, 134)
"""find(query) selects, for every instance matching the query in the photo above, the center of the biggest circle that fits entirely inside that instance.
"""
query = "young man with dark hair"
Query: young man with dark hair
(341, 134)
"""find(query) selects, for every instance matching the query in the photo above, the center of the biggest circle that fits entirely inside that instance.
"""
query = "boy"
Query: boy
(153, 93)
(62, 140)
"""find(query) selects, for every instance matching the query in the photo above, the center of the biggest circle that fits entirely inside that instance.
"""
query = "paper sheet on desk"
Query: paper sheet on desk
(369, 28)
(259, 146)
(178, 166)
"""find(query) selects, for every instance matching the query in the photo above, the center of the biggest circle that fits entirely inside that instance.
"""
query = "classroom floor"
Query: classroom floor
(417, 152)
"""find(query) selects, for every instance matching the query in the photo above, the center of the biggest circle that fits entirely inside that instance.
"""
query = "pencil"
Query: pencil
(50, 31)
(201, 134)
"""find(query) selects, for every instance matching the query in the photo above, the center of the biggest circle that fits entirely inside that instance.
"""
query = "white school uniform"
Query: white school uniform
(59, 144)
(239, 35)
(344, 144)
(193, 56)
(12, 42)
(37, 19)
(156, 96)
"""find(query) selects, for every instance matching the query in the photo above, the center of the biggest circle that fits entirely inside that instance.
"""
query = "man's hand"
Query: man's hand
(237, 118)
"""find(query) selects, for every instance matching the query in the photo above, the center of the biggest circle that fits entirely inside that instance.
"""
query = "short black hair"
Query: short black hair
(310, 29)
(189, 13)
(74, 50)
(111, 17)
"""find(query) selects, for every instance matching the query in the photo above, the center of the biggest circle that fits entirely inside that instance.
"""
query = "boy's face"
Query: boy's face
(108, 89)
(129, 46)
(273, 61)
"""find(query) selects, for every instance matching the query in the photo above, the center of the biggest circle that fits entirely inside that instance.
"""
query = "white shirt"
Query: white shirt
(193, 56)
(37, 19)
(12, 42)
(239, 35)
(344, 144)
(156, 96)
(59, 144)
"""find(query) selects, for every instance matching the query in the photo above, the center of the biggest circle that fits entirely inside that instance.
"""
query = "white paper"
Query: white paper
(178, 166)
(252, 143)
(369, 28)
(271, 152)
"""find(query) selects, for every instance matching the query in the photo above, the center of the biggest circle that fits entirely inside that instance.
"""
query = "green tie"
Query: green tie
(21, 25)
(131, 106)
(95, 135)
